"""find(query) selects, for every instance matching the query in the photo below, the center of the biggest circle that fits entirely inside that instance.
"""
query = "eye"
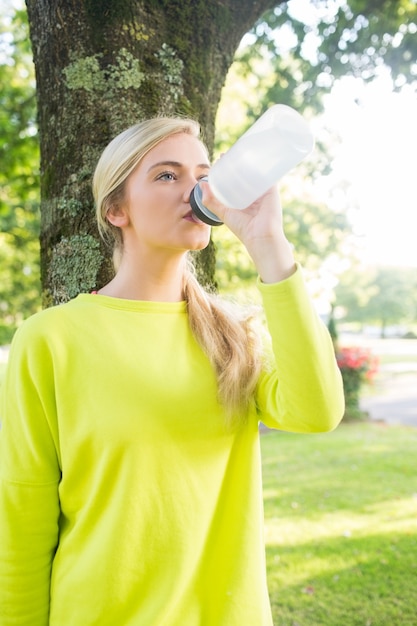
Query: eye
(166, 176)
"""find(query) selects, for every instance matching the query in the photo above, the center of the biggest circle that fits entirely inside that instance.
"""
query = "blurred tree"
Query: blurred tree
(19, 177)
(394, 298)
(315, 231)
(382, 295)
(304, 47)
(353, 292)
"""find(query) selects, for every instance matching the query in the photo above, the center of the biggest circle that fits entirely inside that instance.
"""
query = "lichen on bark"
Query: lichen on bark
(172, 72)
(74, 266)
(86, 73)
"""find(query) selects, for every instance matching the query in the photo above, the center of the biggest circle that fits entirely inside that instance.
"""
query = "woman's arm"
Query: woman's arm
(303, 392)
(29, 478)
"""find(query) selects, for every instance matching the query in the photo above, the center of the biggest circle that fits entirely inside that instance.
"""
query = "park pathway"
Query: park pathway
(394, 397)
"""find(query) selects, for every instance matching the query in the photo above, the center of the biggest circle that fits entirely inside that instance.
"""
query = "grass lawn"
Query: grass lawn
(341, 526)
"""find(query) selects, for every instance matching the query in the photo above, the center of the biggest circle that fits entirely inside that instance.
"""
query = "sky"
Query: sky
(377, 155)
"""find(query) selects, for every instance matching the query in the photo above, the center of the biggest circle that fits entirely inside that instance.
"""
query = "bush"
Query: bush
(357, 366)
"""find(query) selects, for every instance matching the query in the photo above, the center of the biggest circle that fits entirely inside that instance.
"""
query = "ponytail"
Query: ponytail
(231, 345)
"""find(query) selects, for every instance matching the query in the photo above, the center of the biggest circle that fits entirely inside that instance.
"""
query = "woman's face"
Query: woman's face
(158, 211)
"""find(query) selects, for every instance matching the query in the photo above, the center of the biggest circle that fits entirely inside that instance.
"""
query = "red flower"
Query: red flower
(357, 359)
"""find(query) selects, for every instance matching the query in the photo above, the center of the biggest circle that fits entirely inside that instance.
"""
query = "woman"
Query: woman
(130, 467)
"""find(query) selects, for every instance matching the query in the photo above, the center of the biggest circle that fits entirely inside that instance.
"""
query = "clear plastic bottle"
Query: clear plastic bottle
(276, 143)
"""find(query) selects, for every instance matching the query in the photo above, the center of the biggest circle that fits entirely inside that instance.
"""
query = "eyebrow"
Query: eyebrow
(176, 164)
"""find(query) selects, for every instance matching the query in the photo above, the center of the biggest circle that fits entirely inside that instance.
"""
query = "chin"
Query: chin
(199, 245)
(197, 241)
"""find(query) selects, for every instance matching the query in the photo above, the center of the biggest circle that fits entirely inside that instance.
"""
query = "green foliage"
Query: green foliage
(340, 512)
(394, 299)
(383, 295)
(309, 49)
(315, 230)
(19, 177)
(332, 328)
(235, 271)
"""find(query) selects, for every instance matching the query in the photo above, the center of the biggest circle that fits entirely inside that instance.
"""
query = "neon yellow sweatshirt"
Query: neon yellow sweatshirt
(124, 500)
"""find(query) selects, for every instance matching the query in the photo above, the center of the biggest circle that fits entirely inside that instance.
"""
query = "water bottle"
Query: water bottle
(276, 143)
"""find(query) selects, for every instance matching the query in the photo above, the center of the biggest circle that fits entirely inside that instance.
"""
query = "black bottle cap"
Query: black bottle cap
(200, 210)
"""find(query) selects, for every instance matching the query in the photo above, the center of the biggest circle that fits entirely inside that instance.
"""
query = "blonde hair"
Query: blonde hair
(226, 337)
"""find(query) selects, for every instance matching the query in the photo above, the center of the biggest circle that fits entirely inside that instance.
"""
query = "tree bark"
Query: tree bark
(101, 66)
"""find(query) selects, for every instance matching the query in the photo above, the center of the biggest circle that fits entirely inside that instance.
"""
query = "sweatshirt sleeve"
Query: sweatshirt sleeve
(302, 390)
(29, 478)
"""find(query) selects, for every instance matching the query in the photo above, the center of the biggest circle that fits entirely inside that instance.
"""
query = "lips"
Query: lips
(190, 217)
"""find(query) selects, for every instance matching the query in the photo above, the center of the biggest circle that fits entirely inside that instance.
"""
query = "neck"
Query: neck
(159, 280)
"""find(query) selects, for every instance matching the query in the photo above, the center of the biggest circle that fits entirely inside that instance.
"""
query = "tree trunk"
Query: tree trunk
(101, 66)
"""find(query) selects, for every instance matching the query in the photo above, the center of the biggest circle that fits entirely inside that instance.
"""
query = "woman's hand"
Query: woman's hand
(259, 227)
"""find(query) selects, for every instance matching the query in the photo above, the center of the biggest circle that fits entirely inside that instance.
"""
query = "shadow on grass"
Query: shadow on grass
(341, 526)
(352, 469)
(362, 581)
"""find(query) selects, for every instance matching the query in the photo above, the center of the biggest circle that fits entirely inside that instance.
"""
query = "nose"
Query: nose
(187, 193)
(192, 181)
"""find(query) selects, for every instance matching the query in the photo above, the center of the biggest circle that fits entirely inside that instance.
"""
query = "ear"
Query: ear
(117, 216)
